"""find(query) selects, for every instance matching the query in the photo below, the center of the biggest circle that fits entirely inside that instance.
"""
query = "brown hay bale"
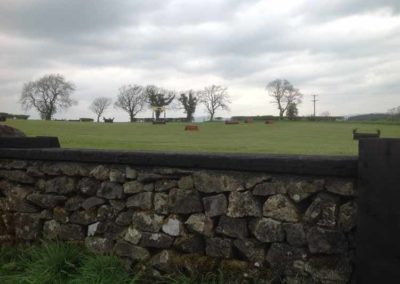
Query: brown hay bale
(232, 122)
(191, 127)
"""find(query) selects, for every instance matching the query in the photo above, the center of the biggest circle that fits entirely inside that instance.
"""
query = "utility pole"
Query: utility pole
(314, 101)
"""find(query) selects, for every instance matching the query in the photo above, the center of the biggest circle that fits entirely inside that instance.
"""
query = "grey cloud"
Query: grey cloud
(237, 42)
(67, 19)
(329, 9)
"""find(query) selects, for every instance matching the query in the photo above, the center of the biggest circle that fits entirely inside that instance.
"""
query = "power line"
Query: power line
(314, 101)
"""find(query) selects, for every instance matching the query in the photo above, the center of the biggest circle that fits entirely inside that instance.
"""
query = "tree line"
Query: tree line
(52, 93)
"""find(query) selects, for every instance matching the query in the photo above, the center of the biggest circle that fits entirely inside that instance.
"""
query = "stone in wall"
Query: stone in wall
(210, 183)
(215, 205)
(132, 187)
(186, 182)
(190, 243)
(109, 230)
(300, 190)
(146, 177)
(164, 261)
(61, 185)
(270, 188)
(71, 232)
(91, 202)
(341, 187)
(348, 216)
(295, 234)
(201, 224)
(46, 200)
(51, 229)
(99, 245)
(280, 208)
(106, 212)
(183, 201)
(17, 176)
(252, 250)
(13, 164)
(219, 247)
(88, 186)
(73, 203)
(124, 218)
(142, 200)
(128, 250)
(253, 181)
(232, 227)
(84, 217)
(68, 169)
(267, 230)
(60, 215)
(27, 226)
(165, 185)
(323, 210)
(132, 235)
(243, 204)
(156, 240)
(173, 226)
(161, 203)
(117, 205)
(14, 198)
(100, 173)
(117, 175)
(147, 222)
(286, 260)
(110, 190)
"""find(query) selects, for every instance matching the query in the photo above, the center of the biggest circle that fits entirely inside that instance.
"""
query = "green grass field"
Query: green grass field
(310, 138)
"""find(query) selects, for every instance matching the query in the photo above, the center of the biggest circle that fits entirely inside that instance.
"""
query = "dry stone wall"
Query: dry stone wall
(169, 219)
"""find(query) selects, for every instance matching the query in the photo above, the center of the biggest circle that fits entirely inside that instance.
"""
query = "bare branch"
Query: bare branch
(131, 99)
(215, 97)
(283, 94)
(99, 105)
(48, 95)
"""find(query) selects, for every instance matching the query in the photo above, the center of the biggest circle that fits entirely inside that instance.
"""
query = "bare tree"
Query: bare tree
(99, 105)
(189, 100)
(215, 97)
(48, 95)
(394, 111)
(283, 94)
(158, 98)
(131, 99)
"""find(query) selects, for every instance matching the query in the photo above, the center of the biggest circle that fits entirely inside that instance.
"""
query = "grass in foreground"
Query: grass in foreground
(62, 263)
(299, 137)
(58, 263)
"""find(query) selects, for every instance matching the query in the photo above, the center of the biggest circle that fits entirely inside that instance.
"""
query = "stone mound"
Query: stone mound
(8, 131)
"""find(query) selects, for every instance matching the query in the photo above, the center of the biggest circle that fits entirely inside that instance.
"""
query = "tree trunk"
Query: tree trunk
(98, 118)
(281, 113)
(157, 114)
(211, 116)
(132, 117)
(48, 116)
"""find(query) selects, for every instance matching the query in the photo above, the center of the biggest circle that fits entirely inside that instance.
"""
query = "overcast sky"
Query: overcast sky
(346, 51)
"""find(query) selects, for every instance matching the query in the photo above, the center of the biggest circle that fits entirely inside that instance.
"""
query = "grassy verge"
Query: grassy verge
(298, 137)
